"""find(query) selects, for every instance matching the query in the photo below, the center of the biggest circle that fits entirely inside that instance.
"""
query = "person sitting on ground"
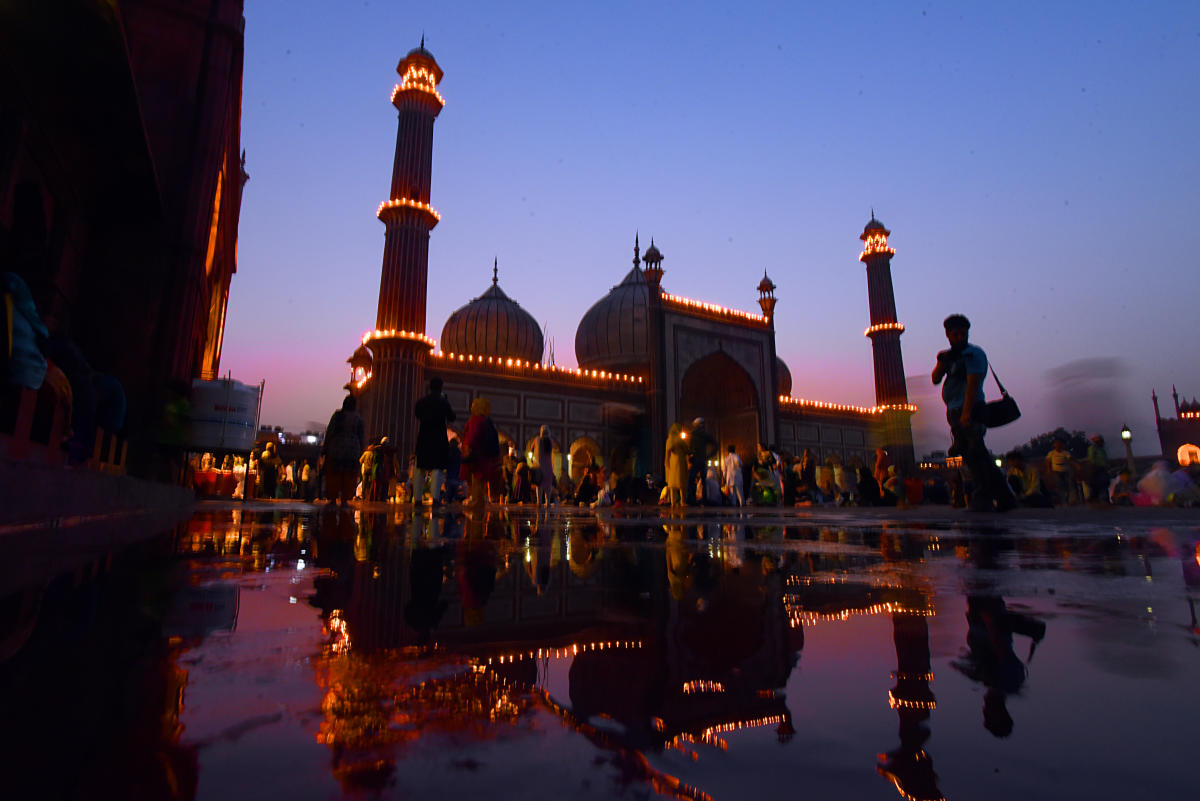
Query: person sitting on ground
(868, 489)
(893, 489)
(1120, 491)
(1026, 482)
(522, 488)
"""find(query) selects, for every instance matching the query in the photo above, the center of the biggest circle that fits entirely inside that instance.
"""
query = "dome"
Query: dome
(874, 225)
(783, 376)
(653, 254)
(766, 285)
(361, 358)
(615, 332)
(493, 325)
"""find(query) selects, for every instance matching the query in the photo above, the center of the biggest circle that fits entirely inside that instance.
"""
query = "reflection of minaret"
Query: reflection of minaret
(909, 767)
(398, 343)
(884, 332)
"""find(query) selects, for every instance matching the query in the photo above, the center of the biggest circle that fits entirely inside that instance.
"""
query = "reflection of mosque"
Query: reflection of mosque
(647, 358)
(673, 647)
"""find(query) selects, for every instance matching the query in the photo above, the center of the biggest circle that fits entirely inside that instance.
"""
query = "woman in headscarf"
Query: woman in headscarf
(676, 465)
(545, 465)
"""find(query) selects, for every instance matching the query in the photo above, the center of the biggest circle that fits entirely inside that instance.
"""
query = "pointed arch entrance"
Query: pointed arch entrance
(721, 391)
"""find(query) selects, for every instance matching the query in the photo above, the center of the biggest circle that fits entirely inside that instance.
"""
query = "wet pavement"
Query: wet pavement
(286, 651)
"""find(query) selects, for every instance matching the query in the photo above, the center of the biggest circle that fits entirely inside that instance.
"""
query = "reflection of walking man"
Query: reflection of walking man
(963, 366)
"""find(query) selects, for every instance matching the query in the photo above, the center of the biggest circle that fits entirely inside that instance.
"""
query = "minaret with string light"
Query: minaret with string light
(399, 343)
(891, 392)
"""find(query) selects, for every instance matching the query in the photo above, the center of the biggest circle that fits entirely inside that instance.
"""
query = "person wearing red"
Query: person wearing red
(481, 450)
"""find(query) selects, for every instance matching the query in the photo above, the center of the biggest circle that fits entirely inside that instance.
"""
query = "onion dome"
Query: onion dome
(361, 358)
(783, 376)
(766, 286)
(615, 334)
(653, 254)
(874, 225)
(423, 57)
(493, 324)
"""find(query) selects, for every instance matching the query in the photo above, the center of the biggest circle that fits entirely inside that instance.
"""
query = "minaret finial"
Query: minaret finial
(872, 212)
(422, 40)
(495, 270)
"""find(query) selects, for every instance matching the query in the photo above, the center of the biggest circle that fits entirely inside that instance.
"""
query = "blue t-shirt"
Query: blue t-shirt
(971, 361)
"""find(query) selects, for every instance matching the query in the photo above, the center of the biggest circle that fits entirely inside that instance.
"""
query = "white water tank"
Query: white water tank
(224, 415)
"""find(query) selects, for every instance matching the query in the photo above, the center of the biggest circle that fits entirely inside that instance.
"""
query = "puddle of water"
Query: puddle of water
(523, 654)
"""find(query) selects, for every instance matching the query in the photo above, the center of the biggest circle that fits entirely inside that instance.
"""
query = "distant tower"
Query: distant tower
(653, 259)
(884, 333)
(398, 343)
(766, 297)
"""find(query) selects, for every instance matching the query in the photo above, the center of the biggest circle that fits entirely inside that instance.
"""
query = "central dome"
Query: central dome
(493, 325)
(614, 334)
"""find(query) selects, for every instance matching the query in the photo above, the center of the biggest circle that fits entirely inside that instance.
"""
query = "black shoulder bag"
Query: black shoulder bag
(1000, 412)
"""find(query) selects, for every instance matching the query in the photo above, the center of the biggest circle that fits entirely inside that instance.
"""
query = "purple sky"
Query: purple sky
(1036, 163)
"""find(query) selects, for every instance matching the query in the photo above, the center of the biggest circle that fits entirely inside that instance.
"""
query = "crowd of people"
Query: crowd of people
(481, 467)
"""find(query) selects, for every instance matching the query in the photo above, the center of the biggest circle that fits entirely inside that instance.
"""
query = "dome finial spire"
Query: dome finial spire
(637, 250)
(495, 269)
(422, 40)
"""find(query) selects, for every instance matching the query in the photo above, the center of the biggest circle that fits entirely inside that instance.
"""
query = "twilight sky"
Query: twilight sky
(1036, 162)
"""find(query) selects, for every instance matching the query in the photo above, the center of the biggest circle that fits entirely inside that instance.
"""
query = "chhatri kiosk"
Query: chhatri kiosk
(647, 358)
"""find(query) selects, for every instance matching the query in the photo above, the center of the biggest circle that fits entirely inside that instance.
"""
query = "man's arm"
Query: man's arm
(974, 380)
(942, 367)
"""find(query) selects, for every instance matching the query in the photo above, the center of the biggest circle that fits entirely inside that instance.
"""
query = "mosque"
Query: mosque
(647, 358)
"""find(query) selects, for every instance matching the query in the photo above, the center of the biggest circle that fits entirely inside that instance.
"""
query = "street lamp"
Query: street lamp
(1127, 437)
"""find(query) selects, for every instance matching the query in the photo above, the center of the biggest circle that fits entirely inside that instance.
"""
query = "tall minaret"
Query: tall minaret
(884, 332)
(399, 342)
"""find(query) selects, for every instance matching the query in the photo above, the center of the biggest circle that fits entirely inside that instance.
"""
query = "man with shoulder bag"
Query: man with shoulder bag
(964, 366)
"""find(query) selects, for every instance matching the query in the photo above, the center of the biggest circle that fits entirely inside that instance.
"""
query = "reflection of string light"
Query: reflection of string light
(702, 686)
(340, 632)
(561, 653)
(900, 675)
(903, 703)
(738, 725)
(907, 796)
(802, 617)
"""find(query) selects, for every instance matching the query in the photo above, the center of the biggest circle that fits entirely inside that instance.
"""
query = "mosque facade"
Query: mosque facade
(1179, 436)
(647, 358)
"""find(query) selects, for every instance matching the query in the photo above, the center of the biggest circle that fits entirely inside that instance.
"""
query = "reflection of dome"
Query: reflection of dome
(614, 333)
(493, 325)
(784, 377)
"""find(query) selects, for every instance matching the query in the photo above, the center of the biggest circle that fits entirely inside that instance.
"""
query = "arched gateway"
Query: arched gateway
(718, 389)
